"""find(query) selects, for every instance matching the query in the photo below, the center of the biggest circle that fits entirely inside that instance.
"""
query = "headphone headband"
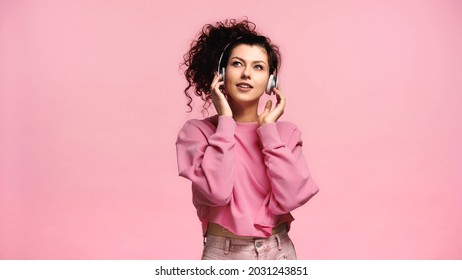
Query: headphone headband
(224, 50)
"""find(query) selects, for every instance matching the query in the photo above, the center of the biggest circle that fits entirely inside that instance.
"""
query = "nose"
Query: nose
(245, 73)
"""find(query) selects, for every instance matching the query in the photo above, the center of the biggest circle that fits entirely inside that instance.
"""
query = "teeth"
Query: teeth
(243, 85)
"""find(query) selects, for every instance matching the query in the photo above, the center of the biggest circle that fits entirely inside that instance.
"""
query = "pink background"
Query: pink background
(91, 102)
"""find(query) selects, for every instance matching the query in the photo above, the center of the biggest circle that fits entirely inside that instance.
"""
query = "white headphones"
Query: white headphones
(272, 81)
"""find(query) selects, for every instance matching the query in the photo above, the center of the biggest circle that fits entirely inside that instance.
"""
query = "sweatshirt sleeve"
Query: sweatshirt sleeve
(208, 161)
(291, 181)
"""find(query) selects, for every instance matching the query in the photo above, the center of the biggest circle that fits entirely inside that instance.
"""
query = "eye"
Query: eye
(236, 63)
(259, 67)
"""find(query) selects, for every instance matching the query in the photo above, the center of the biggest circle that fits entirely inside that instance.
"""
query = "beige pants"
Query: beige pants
(276, 247)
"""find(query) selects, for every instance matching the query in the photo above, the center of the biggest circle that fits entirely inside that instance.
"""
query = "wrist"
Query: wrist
(225, 114)
(262, 123)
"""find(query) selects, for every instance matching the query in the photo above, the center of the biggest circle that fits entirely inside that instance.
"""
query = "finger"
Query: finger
(280, 97)
(215, 80)
(216, 87)
(219, 83)
(276, 89)
(280, 106)
(268, 106)
(220, 86)
(279, 92)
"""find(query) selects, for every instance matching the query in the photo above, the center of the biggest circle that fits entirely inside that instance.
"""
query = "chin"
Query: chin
(245, 97)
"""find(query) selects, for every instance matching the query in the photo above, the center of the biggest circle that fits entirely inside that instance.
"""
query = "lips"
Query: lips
(244, 86)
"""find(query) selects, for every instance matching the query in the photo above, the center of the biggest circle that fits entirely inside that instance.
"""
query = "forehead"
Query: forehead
(250, 52)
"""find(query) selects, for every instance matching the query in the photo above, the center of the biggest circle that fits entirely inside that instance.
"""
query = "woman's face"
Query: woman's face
(247, 73)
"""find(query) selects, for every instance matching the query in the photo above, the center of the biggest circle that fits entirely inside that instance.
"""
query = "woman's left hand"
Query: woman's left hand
(271, 116)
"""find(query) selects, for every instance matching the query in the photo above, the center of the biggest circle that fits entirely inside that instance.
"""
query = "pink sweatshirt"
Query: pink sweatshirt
(244, 177)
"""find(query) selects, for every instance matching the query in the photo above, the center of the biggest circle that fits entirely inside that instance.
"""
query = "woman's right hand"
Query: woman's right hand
(218, 97)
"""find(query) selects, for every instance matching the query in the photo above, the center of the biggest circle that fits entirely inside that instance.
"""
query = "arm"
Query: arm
(208, 163)
(291, 182)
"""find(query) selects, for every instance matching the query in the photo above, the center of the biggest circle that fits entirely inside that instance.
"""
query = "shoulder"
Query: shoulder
(289, 133)
(205, 126)
(285, 127)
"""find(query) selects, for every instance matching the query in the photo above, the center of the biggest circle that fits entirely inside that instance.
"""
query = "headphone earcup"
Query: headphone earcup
(272, 83)
(222, 72)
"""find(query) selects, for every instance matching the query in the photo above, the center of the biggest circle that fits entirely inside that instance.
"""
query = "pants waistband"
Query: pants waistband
(232, 244)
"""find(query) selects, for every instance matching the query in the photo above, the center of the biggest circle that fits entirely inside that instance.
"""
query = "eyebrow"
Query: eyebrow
(256, 61)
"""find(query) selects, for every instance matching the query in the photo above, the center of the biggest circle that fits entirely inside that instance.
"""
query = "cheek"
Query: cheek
(263, 81)
(232, 73)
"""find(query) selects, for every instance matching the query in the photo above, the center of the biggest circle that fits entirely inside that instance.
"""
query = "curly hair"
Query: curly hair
(201, 60)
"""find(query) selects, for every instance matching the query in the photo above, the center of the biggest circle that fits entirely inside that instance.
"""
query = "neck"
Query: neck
(246, 113)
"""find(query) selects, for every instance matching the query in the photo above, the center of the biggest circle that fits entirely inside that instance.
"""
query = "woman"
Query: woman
(247, 168)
